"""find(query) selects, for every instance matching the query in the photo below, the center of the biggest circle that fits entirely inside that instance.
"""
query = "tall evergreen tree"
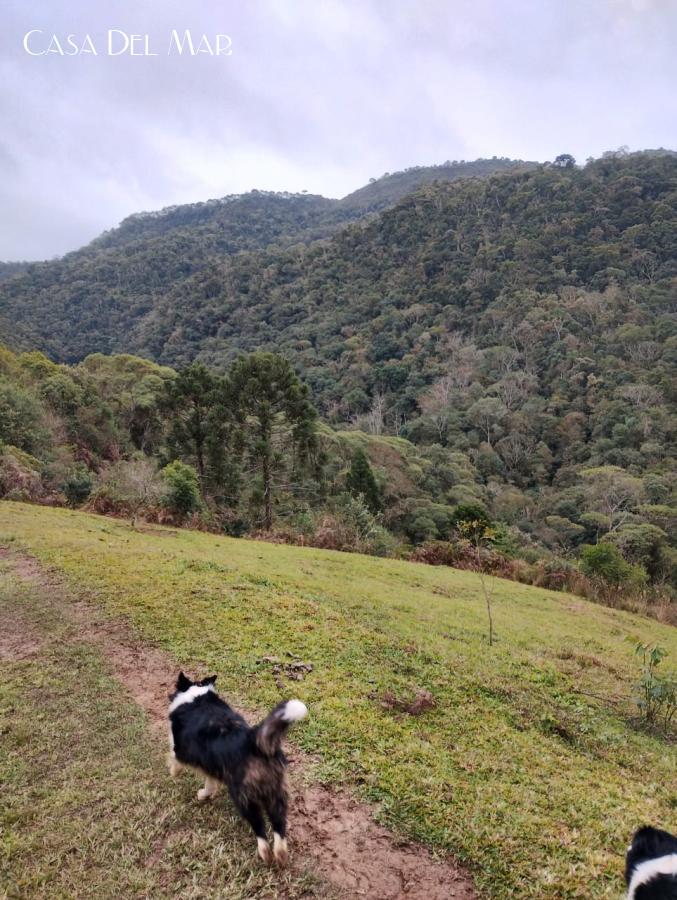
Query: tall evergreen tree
(194, 402)
(277, 418)
(360, 480)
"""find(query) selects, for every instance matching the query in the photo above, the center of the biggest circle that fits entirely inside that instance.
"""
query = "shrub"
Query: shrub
(464, 554)
(127, 488)
(183, 491)
(604, 561)
(381, 542)
(557, 574)
(304, 523)
(356, 515)
(19, 475)
(21, 418)
(504, 539)
(470, 517)
(438, 553)
(641, 543)
(77, 485)
(232, 523)
(657, 700)
(348, 525)
(422, 528)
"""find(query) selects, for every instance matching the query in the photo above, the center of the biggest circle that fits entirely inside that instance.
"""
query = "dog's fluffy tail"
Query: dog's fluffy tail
(270, 732)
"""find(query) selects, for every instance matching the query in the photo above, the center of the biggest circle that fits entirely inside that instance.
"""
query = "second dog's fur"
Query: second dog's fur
(651, 865)
(209, 736)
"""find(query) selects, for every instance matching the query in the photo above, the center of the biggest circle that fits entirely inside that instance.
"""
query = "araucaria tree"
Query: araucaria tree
(191, 398)
(203, 430)
(277, 419)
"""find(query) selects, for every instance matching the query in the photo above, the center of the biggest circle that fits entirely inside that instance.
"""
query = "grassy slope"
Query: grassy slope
(536, 785)
(87, 809)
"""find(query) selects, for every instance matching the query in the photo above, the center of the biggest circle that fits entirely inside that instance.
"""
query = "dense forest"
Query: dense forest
(498, 348)
(95, 298)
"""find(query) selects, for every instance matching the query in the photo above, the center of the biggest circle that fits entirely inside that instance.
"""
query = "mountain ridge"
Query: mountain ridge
(372, 197)
(519, 331)
(204, 281)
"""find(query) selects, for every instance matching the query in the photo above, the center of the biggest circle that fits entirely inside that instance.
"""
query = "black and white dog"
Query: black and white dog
(651, 865)
(209, 736)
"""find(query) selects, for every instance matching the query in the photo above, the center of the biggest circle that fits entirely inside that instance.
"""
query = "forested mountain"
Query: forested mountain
(259, 218)
(517, 331)
(385, 191)
(102, 289)
(239, 222)
(8, 269)
(543, 266)
(448, 257)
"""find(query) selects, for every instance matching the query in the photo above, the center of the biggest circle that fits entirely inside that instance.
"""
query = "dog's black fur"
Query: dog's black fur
(650, 844)
(208, 735)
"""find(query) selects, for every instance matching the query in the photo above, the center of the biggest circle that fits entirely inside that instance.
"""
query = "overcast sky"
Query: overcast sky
(316, 94)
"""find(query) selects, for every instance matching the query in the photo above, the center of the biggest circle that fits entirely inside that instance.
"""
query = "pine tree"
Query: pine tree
(203, 430)
(277, 419)
(190, 401)
(360, 480)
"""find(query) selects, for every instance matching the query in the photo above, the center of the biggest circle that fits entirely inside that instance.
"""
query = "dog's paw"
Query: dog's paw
(264, 851)
(204, 794)
(175, 768)
(280, 851)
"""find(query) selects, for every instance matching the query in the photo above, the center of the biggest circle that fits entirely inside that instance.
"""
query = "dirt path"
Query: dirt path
(348, 849)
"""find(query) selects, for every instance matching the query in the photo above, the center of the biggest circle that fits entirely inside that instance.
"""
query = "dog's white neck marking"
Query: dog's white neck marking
(193, 692)
(650, 868)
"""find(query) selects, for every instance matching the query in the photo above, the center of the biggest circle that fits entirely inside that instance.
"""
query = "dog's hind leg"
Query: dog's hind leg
(175, 767)
(277, 812)
(211, 788)
(253, 814)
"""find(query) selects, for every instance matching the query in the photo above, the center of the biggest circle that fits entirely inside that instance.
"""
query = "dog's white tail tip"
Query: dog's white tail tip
(294, 710)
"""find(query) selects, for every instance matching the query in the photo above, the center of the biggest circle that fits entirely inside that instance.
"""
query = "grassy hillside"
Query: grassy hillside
(87, 809)
(527, 766)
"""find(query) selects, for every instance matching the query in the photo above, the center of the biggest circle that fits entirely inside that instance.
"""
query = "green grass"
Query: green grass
(517, 770)
(87, 809)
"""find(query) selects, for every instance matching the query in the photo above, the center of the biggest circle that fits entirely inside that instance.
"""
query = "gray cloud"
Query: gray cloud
(317, 95)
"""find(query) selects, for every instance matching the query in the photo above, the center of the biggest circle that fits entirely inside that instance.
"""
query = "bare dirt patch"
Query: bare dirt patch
(147, 673)
(17, 643)
(363, 858)
(333, 829)
(17, 639)
(25, 567)
(156, 532)
(422, 701)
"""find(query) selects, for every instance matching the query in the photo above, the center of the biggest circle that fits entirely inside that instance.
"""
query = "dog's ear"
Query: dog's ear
(648, 843)
(183, 683)
(207, 681)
